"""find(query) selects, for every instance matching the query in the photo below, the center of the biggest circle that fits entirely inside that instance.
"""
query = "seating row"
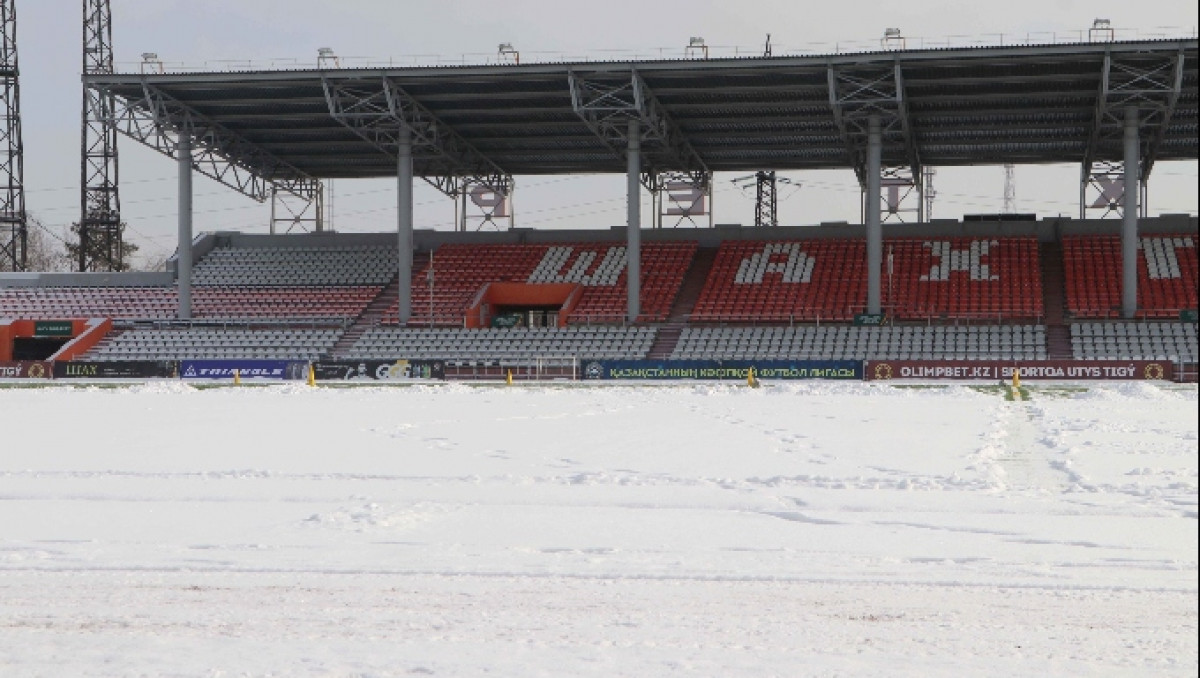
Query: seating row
(826, 280)
(1016, 342)
(459, 272)
(197, 343)
(1174, 341)
(1166, 276)
(498, 344)
(162, 303)
(296, 266)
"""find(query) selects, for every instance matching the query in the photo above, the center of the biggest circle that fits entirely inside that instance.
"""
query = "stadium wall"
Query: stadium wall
(155, 279)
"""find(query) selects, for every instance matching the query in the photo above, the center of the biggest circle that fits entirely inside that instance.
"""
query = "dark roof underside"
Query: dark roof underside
(982, 106)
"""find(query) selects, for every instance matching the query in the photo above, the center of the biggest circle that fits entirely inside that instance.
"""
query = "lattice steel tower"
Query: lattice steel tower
(99, 227)
(13, 225)
(1010, 189)
(766, 206)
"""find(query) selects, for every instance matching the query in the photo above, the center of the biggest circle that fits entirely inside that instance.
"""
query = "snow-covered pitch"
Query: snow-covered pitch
(814, 529)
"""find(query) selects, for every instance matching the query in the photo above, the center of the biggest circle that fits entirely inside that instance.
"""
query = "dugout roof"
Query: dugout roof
(942, 107)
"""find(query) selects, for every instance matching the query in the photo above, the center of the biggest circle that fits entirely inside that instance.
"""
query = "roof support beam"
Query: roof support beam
(867, 97)
(1152, 84)
(606, 106)
(158, 121)
(858, 93)
(906, 128)
(1164, 120)
(380, 112)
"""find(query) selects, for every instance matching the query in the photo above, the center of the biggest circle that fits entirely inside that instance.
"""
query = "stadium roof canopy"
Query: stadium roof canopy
(946, 107)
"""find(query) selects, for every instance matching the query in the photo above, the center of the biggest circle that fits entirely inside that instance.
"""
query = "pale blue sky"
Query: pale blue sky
(217, 34)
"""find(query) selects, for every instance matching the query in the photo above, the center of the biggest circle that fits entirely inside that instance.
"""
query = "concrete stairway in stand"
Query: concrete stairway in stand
(375, 310)
(693, 284)
(664, 342)
(1054, 294)
(685, 301)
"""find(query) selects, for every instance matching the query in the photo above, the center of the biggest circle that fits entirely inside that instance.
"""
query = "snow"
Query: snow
(805, 529)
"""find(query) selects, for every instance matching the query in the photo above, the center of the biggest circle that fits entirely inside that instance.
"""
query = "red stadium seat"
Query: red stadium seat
(963, 278)
(460, 271)
(1167, 275)
(812, 280)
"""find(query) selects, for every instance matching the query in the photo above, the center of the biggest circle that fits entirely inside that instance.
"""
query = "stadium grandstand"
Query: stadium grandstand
(991, 288)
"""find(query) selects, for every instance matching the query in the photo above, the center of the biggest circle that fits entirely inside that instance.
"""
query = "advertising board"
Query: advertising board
(995, 370)
(379, 370)
(722, 369)
(119, 369)
(245, 369)
(26, 369)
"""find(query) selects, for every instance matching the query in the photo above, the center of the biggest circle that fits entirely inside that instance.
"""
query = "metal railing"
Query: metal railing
(545, 368)
(298, 322)
(999, 39)
(811, 317)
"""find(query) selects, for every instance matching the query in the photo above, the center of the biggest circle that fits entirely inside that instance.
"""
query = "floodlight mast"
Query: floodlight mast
(1101, 31)
(326, 58)
(151, 63)
(507, 54)
(13, 223)
(893, 39)
(100, 228)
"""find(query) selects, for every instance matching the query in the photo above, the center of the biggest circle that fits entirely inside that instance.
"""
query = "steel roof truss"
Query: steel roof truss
(857, 96)
(910, 142)
(156, 120)
(1167, 112)
(1153, 88)
(607, 108)
(379, 115)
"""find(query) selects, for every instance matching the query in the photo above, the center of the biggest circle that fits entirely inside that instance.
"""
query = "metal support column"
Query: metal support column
(183, 252)
(404, 204)
(1129, 225)
(874, 228)
(633, 229)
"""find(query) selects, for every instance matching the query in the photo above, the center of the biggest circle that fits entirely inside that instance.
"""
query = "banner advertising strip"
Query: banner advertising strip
(123, 369)
(722, 369)
(1032, 369)
(379, 370)
(26, 369)
(293, 370)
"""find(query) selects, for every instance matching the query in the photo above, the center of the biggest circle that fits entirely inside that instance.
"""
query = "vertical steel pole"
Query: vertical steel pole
(183, 257)
(1083, 184)
(404, 204)
(320, 200)
(874, 229)
(1129, 226)
(633, 228)
(710, 201)
(460, 217)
